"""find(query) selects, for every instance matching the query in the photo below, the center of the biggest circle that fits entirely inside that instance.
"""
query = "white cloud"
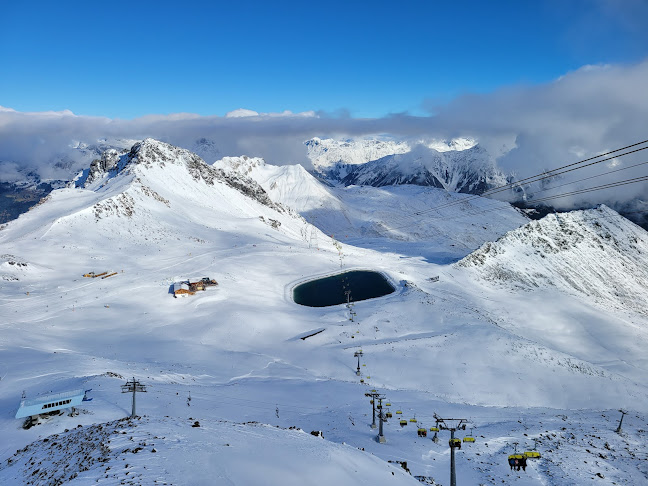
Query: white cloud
(241, 113)
(528, 128)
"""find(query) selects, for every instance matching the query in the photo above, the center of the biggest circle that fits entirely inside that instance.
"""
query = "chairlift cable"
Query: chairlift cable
(544, 175)
(556, 196)
(535, 178)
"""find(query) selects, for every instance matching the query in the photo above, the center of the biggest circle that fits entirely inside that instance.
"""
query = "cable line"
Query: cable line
(556, 196)
(537, 178)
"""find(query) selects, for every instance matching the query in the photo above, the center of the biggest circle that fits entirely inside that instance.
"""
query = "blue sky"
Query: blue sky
(367, 59)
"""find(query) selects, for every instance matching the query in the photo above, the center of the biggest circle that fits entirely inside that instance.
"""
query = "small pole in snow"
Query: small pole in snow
(133, 387)
(623, 412)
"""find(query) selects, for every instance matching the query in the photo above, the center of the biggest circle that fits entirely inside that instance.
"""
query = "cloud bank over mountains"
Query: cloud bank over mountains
(528, 129)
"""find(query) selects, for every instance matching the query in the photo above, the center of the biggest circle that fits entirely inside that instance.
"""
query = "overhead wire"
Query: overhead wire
(506, 206)
(536, 178)
(551, 173)
(500, 208)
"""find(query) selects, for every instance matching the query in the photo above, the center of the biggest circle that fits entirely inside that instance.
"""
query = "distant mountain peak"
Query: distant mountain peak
(151, 154)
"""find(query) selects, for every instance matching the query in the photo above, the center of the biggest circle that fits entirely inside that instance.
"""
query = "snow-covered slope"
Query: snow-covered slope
(516, 367)
(291, 185)
(413, 219)
(187, 452)
(594, 253)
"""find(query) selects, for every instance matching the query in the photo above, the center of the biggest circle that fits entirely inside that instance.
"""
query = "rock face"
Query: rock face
(595, 252)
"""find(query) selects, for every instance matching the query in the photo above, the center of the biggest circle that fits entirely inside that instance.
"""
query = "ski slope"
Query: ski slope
(543, 362)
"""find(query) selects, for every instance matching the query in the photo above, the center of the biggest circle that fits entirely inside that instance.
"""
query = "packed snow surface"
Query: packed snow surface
(528, 349)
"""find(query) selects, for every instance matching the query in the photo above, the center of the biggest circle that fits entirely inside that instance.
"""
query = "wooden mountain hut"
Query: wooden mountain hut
(182, 289)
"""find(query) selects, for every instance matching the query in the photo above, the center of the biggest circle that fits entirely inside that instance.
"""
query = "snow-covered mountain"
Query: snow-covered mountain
(206, 149)
(548, 363)
(594, 253)
(291, 185)
(470, 171)
(458, 166)
(22, 185)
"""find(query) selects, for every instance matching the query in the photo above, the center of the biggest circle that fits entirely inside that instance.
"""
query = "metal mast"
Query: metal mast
(133, 387)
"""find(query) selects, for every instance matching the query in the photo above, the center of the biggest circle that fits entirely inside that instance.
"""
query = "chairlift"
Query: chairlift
(469, 437)
(403, 423)
(533, 453)
(371, 401)
(413, 420)
(399, 412)
(387, 404)
(517, 461)
(361, 380)
(422, 432)
(434, 429)
(455, 443)
(388, 415)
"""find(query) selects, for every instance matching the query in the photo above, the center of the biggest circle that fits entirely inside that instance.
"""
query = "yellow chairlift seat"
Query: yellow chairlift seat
(532, 454)
(413, 420)
(374, 390)
(371, 401)
(469, 438)
(434, 429)
(399, 412)
(378, 406)
(368, 377)
(516, 456)
(455, 443)
(388, 404)
(403, 423)
(361, 380)
(422, 432)
(388, 415)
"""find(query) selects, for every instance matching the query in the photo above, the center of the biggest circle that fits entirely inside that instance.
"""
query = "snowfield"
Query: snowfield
(535, 333)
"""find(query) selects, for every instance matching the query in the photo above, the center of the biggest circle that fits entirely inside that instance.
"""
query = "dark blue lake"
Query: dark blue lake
(323, 292)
